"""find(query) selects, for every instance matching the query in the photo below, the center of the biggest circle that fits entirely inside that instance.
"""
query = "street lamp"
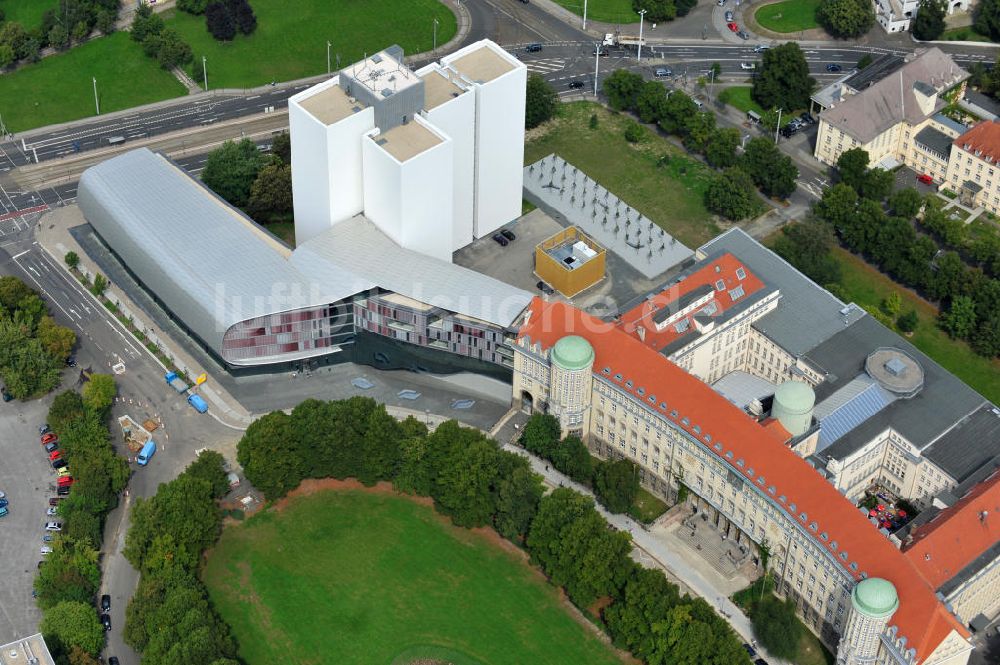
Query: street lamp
(97, 104)
(642, 15)
(584, 14)
(328, 56)
(204, 71)
(435, 34)
(597, 65)
(777, 127)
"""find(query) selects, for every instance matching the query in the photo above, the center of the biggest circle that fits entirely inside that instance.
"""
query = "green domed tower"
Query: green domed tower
(873, 602)
(571, 381)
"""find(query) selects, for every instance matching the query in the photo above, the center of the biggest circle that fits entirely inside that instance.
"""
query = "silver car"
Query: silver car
(53, 526)
(729, 17)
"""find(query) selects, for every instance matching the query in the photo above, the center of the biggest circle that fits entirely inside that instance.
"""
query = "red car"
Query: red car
(49, 437)
(54, 455)
(65, 481)
(926, 179)
(733, 27)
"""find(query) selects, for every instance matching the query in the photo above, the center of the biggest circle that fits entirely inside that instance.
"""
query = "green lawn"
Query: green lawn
(27, 12)
(810, 650)
(355, 577)
(609, 11)
(646, 507)
(59, 88)
(868, 287)
(291, 44)
(788, 16)
(966, 34)
(738, 96)
(670, 193)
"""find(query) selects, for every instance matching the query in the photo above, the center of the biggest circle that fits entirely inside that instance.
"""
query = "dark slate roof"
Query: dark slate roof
(806, 314)
(936, 141)
(875, 72)
(943, 401)
(982, 101)
(969, 445)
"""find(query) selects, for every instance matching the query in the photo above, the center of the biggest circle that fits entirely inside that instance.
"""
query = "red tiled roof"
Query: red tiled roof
(920, 617)
(957, 535)
(983, 137)
(642, 315)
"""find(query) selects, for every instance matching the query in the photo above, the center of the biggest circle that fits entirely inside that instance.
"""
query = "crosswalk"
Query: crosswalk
(546, 65)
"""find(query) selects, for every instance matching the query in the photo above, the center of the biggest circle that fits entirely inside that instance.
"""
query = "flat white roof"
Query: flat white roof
(330, 105)
(407, 141)
(482, 62)
(438, 89)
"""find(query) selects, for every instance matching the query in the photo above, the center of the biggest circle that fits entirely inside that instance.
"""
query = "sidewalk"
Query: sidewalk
(52, 234)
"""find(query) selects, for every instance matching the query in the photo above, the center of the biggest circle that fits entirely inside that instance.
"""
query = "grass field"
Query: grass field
(290, 45)
(59, 88)
(610, 11)
(27, 12)
(671, 194)
(868, 287)
(356, 577)
(965, 34)
(738, 96)
(788, 16)
(647, 507)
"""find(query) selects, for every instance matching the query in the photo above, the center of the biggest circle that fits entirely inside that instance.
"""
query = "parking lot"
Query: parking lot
(28, 481)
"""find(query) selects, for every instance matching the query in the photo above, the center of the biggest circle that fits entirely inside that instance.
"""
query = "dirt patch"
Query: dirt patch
(314, 485)
(598, 606)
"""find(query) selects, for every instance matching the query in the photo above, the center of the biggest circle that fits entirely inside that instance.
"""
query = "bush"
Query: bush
(634, 132)
(908, 322)
(72, 260)
(776, 626)
(220, 22)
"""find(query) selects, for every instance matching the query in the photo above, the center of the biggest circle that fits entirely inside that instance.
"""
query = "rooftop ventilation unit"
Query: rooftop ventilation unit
(376, 58)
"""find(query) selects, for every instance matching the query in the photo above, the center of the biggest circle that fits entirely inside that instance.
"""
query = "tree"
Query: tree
(634, 132)
(242, 13)
(106, 22)
(929, 22)
(698, 131)
(908, 322)
(771, 169)
(6, 55)
(192, 6)
(540, 102)
(651, 102)
(72, 623)
(732, 194)
(271, 193)
(845, 19)
(66, 408)
(986, 338)
(570, 456)
(145, 23)
(232, 168)
(518, 493)
(78, 656)
(58, 37)
(783, 80)
(100, 285)
(892, 304)
(986, 19)
(676, 111)
(281, 147)
(70, 573)
(959, 320)
(777, 627)
(72, 259)
(622, 89)
(173, 50)
(379, 447)
(210, 467)
(270, 456)
(541, 434)
(658, 10)
(220, 22)
(852, 165)
(57, 340)
(616, 483)
(721, 149)
(906, 203)
(80, 32)
(99, 393)
(808, 247)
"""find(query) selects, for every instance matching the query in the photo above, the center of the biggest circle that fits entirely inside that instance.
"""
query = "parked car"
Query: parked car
(732, 26)
(54, 455)
(748, 66)
(833, 67)
(45, 549)
(729, 17)
(63, 472)
(788, 130)
(603, 52)
(743, 35)
(53, 526)
(3, 511)
(4, 503)
(113, 660)
(63, 490)
(59, 464)
(43, 429)
(105, 603)
(49, 437)
(509, 235)
(575, 85)
(51, 446)
(663, 72)
(48, 538)
(545, 288)
(807, 119)
(750, 650)
(71, 361)
(106, 620)
(65, 481)
(6, 395)
(500, 240)
(926, 179)
(54, 501)
(51, 512)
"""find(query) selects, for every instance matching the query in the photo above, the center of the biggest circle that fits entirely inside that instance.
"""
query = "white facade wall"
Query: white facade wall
(457, 119)
(326, 165)
(411, 201)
